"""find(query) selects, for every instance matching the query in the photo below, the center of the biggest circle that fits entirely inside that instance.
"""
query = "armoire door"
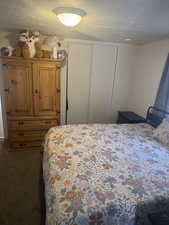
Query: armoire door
(46, 87)
(18, 88)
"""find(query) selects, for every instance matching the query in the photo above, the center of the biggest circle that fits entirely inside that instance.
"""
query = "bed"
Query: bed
(104, 174)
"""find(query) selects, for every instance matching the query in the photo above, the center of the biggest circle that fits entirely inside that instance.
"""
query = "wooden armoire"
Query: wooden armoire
(32, 99)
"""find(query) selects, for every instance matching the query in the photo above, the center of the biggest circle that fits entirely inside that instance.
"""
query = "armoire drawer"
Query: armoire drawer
(29, 135)
(31, 124)
(25, 145)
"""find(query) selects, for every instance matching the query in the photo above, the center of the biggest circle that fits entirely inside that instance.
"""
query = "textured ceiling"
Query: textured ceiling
(106, 20)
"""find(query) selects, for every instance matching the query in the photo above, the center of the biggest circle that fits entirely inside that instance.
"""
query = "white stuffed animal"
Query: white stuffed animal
(51, 42)
(33, 37)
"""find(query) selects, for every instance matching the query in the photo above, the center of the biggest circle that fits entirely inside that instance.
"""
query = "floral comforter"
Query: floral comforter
(104, 175)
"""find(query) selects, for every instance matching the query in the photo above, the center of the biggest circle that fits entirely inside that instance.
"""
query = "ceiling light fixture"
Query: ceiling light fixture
(128, 39)
(69, 16)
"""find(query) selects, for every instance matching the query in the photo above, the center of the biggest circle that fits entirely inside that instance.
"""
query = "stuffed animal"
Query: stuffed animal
(26, 51)
(51, 42)
(40, 51)
(29, 46)
(34, 44)
(26, 44)
(37, 44)
(50, 45)
(22, 49)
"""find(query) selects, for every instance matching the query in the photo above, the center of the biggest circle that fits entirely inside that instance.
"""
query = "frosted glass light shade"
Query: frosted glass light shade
(69, 16)
(69, 19)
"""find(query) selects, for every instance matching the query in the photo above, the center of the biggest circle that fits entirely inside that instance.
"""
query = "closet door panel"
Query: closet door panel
(78, 82)
(102, 79)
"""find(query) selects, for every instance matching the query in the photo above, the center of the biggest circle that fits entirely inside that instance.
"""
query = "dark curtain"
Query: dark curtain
(162, 98)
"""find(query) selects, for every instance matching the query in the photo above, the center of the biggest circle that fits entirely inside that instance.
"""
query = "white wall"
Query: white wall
(148, 69)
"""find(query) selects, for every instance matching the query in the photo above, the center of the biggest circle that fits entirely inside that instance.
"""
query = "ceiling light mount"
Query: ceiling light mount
(69, 16)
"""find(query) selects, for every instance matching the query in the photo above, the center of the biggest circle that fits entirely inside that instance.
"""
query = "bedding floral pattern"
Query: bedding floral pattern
(104, 174)
(161, 133)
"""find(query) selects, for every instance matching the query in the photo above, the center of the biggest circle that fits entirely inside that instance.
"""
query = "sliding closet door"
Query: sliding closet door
(79, 82)
(102, 81)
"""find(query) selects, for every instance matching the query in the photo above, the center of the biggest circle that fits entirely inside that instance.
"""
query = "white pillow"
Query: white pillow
(161, 133)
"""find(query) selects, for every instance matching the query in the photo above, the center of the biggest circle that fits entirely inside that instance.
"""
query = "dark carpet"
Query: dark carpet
(20, 187)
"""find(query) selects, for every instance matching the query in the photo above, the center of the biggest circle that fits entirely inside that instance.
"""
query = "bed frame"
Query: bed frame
(155, 116)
